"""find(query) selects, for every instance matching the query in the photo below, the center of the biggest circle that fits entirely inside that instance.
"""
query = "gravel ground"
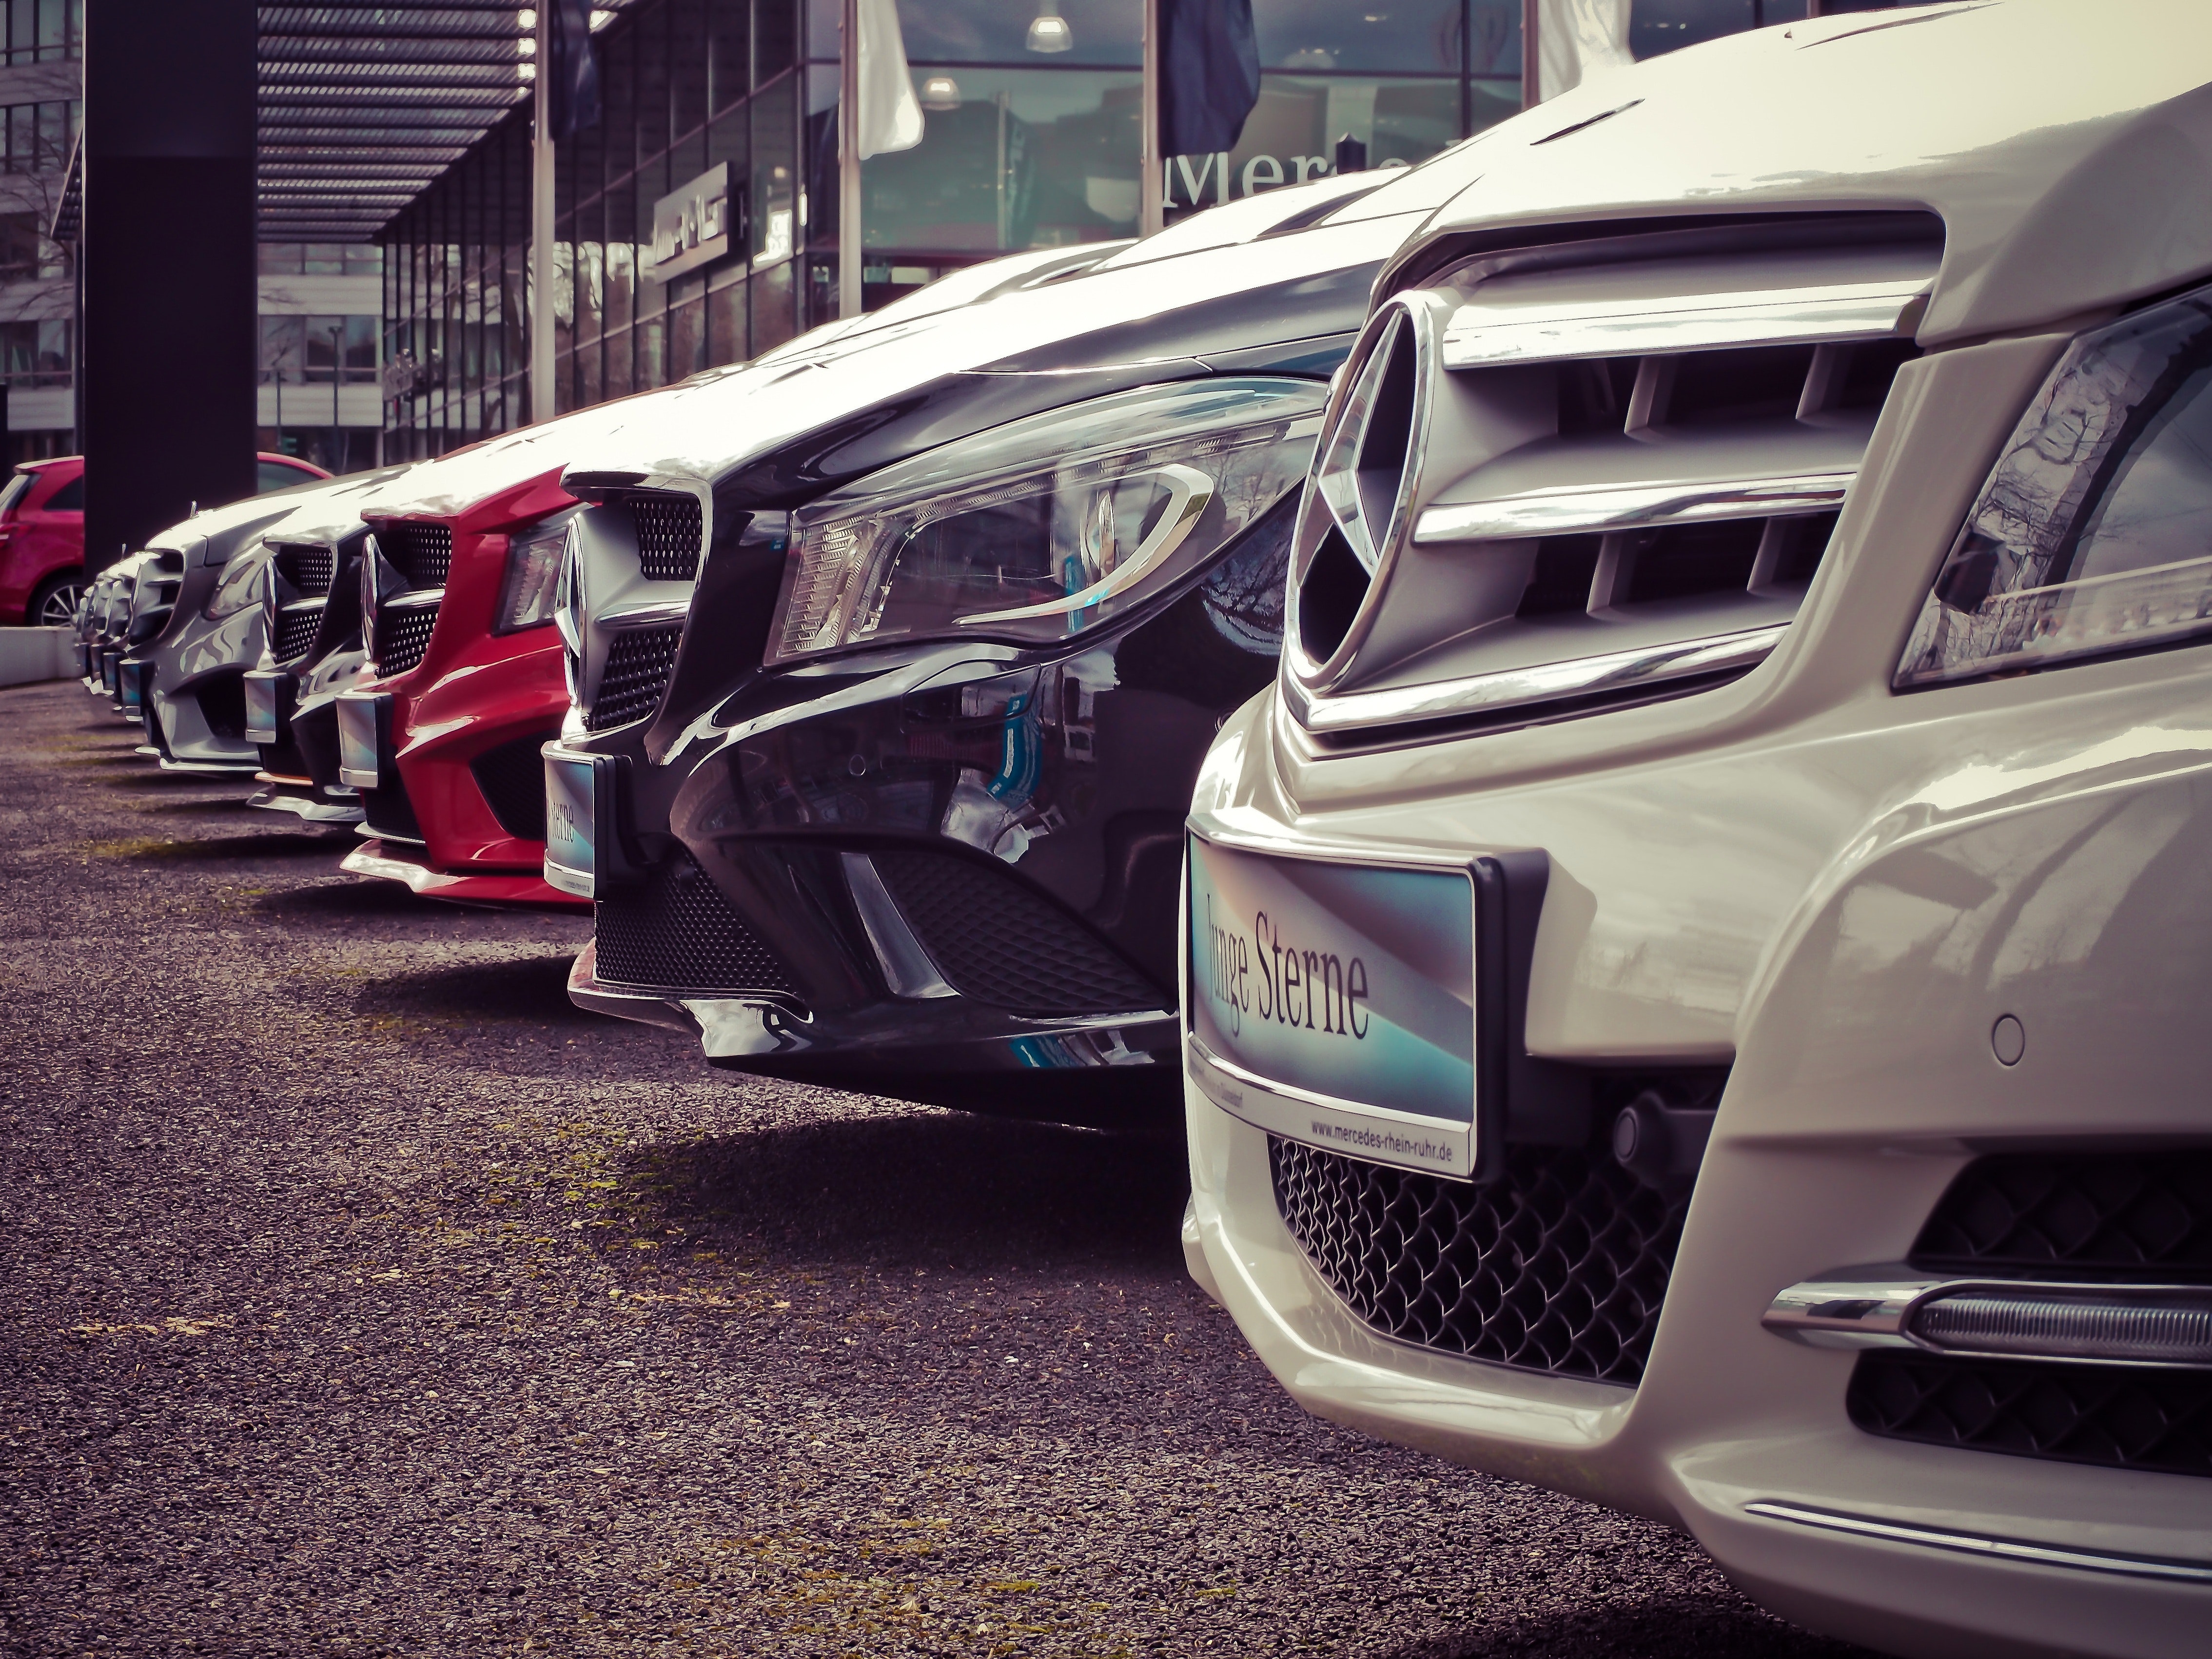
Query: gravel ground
(363, 1297)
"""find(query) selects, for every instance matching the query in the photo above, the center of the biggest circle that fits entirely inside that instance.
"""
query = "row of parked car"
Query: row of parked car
(1606, 720)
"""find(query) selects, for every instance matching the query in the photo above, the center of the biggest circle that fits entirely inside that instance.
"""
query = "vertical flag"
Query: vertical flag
(1576, 40)
(890, 115)
(1209, 62)
(572, 72)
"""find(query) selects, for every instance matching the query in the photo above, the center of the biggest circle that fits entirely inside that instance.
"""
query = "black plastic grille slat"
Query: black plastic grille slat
(669, 532)
(2122, 1417)
(639, 663)
(422, 554)
(512, 779)
(403, 635)
(295, 633)
(309, 569)
(1561, 1267)
(999, 942)
(677, 931)
(2082, 1213)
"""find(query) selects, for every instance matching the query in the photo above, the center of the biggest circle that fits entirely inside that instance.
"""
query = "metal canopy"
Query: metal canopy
(364, 102)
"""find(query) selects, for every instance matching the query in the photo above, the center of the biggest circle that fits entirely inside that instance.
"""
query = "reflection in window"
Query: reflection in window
(36, 353)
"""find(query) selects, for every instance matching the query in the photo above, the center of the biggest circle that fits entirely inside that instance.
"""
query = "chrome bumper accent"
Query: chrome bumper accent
(1597, 509)
(2050, 1321)
(314, 812)
(1996, 1549)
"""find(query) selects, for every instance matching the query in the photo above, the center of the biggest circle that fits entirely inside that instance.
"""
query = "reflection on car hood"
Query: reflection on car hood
(212, 536)
(2064, 146)
(1159, 313)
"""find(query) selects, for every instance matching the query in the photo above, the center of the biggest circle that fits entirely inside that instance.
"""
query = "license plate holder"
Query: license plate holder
(363, 721)
(579, 802)
(264, 707)
(1397, 1041)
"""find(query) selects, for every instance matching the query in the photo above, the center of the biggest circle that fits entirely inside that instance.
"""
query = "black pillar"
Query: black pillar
(167, 363)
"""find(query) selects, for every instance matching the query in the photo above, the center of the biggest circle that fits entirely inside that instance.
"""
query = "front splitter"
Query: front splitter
(505, 890)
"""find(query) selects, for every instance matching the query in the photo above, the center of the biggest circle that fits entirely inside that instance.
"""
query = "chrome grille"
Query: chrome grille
(1561, 1267)
(1593, 472)
(422, 554)
(403, 635)
(639, 663)
(310, 569)
(669, 533)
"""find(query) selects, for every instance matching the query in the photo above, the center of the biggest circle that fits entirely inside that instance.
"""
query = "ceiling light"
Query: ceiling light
(1048, 30)
(940, 92)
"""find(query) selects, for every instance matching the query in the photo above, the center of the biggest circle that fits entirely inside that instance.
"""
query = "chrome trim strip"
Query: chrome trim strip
(413, 599)
(905, 961)
(1999, 1549)
(1541, 683)
(1476, 338)
(1593, 510)
(632, 616)
(1874, 1307)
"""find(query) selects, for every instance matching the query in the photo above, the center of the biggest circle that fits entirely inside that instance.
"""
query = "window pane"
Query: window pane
(280, 258)
(773, 320)
(367, 260)
(729, 55)
(1291, 135)
(725, 325)
(360, 348)
(283, 348)
(775, 25)
(324, 259)
(1663, 26)
(775, 187)
(1100, 32)
(1378, 34)
(687, 339)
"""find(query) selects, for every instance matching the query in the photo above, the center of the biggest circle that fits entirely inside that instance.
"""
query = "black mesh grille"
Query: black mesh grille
(677, 931)
(1561, 1267)
(2122, 1417)
(295, 632)
(309, 569)
(422, 554)
(513, 779)
(997, 941)
(668, 536)
(403, 635)
(2100, 1214)
(639, 663)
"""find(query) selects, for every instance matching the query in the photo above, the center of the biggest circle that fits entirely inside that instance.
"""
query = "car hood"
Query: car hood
(864, 400)
(211, 537)
(2063, 146)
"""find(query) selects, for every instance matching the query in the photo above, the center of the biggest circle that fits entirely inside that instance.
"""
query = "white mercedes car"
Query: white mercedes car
(1690, 971)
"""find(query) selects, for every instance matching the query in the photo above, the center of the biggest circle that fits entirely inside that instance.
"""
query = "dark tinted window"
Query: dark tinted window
(69, 498)
(274, 474)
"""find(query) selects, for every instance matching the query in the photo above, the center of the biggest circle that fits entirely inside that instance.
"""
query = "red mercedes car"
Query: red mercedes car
(42, 533)
(465, 683)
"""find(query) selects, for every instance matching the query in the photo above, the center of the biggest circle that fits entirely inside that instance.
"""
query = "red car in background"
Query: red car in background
(42, 533)
(465, 682)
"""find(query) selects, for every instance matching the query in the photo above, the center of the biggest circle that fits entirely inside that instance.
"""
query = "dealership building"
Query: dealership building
(727, 107)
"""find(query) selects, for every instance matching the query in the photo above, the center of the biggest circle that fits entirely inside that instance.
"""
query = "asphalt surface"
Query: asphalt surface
(360, 1296)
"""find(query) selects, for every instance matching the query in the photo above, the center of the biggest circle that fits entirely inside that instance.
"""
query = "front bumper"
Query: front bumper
(391, 862)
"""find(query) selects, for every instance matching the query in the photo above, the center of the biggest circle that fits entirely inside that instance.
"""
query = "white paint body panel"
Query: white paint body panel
(1834, 889)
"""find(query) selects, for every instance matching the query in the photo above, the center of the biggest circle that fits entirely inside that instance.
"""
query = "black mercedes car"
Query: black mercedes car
(893, 663)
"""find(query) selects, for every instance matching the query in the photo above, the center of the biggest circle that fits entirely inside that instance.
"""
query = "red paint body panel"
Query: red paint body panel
(474, 691)
(37, 541)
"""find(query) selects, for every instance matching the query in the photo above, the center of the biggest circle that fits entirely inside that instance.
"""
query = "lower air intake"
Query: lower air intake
(512, 779)
(2120, 1417)
(1559, 1267)
(676, 932)
(639, 663)
(2143, 1215)
(998, 942)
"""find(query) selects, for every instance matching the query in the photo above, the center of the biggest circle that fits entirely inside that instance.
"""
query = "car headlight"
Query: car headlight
(1045, 526)
(531, 592)
(2093, 534)
(241, 583)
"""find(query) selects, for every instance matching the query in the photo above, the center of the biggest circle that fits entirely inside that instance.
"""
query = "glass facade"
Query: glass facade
(41, 31)
(38, 138)
(1023, 147)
